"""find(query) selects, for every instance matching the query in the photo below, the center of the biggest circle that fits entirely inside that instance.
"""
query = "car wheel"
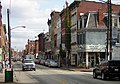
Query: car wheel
(119, 77)
(110, 78)
(103, 77)
(94, 75)
(34, 69)
(23, 69)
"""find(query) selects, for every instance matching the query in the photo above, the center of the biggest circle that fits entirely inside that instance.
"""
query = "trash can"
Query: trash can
(8, 75)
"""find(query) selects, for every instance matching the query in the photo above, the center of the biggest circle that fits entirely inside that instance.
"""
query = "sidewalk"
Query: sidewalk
(2, 76)
(77, 69)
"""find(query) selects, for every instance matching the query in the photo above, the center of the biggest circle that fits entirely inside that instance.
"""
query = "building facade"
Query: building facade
(53, 33)
(92, 27)
(41, 44)
(31, 47)
(36, 48)
(3, 38)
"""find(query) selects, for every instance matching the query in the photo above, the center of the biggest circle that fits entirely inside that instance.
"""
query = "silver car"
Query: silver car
(52, 63)
(28, 64)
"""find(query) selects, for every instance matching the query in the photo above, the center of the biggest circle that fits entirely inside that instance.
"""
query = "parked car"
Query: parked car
(52, 63)
(42, 61)
(28, 64)
(14, 59)
(106, 69)
(37, 61)
(47, 62)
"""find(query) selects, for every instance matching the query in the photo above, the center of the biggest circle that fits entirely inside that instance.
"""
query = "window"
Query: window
(80, 38)
(73, 19)
(80, 23)
(85, 21)
(115, 22)
(73, 37)
(84, 38)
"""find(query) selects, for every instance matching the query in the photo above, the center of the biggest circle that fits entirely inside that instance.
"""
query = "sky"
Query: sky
(33, 14)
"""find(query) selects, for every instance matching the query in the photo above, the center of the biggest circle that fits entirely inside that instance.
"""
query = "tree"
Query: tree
(67, 32)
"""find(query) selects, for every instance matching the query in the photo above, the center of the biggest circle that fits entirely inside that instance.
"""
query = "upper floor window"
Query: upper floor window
(82, 22)
(115, 22)
(74, 19)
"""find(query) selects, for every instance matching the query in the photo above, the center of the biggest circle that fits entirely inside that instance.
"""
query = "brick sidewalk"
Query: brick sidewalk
(2, 76)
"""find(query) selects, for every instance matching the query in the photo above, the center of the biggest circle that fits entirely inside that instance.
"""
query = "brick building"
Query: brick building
(88, 30)
(3, 38)
(41, 46)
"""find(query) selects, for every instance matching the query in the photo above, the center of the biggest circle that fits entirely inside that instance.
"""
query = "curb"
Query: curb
(81, 70)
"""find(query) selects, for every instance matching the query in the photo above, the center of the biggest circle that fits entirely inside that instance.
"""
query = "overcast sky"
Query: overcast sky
(33, 14)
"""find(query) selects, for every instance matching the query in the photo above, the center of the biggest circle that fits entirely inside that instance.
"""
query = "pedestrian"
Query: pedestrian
(7, 63)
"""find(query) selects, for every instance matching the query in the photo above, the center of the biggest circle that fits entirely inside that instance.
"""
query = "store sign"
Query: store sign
(95, 47)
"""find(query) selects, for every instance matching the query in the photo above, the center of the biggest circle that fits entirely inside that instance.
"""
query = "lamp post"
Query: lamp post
(9, 72)
(9, 35)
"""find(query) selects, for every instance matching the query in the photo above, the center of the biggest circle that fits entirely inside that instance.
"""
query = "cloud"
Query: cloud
(31, 13)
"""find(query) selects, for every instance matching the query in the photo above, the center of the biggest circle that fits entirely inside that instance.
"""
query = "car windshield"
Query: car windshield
(28, 61)
(114, 63)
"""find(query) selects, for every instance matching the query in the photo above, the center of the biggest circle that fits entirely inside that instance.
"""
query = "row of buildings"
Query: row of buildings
(3, 38)
(88, 25)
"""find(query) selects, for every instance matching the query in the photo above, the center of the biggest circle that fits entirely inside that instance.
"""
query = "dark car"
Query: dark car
(108, 69)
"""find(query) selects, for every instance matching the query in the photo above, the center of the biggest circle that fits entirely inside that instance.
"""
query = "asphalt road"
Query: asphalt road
(45, 75)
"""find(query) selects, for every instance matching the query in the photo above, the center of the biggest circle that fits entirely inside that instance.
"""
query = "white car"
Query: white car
(28, 64)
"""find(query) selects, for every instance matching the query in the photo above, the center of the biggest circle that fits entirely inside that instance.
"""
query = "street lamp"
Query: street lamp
(9, 72)
(9, 35)
(18, 27)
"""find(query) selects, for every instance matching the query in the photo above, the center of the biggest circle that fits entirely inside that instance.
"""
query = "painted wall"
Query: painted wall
(95, 41)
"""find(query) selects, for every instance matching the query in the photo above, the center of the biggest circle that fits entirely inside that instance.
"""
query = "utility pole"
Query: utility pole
(110, 27)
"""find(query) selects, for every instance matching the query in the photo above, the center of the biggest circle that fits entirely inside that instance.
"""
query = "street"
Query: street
(46, 75)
